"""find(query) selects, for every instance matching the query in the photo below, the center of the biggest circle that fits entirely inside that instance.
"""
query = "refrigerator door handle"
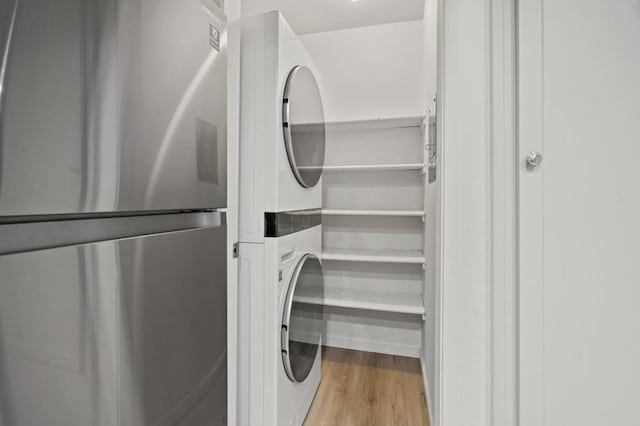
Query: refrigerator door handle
(28, 236)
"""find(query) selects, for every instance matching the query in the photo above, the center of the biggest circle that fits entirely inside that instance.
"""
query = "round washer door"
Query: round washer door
(302, 325)
(304, 126)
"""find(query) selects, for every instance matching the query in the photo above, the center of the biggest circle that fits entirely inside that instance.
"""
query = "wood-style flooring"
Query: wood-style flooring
(367, 389)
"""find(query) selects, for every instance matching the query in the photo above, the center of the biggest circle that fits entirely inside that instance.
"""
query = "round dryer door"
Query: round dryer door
(304, 126)
(302, 327)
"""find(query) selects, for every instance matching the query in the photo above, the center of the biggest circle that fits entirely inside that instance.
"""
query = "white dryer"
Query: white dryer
(282, 127)
(283, 310)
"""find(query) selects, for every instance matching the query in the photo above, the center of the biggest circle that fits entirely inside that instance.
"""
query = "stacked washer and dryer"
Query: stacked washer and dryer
(281, 286)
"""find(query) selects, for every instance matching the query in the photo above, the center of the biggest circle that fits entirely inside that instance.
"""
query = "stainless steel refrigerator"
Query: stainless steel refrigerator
(112, 225)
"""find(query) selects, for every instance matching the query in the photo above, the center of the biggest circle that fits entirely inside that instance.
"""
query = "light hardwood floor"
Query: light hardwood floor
(367, 389)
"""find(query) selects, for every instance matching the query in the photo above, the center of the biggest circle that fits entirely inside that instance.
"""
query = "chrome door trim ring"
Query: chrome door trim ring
(286, 318)
(286, 128)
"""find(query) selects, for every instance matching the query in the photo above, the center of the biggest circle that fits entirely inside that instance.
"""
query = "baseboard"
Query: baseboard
(372, 346)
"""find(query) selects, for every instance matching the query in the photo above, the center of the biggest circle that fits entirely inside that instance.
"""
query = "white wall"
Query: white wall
(374, 71)
(464, 125)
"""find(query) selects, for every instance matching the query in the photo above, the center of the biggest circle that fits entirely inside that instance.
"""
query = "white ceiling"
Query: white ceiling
(312, 16)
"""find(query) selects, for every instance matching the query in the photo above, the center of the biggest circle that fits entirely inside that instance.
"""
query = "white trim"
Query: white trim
(438, 399)
(427, 390)
(464, 270)
(233, 127)
(503, 302)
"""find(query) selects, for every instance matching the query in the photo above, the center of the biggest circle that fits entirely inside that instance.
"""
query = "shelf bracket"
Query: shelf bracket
(424, 266)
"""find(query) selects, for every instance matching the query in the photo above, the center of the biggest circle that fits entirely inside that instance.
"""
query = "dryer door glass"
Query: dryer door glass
(302, 325)
(303, 125)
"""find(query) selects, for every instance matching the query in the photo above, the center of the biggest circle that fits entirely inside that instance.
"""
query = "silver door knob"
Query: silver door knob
(534, 159)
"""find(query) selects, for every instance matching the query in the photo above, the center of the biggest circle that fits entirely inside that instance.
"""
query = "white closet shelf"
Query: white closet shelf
(368, 167)
(375, 256)
(377, 123)
(341, 212)
(404, 303)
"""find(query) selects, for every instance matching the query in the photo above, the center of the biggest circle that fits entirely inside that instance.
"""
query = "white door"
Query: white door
(579, 224)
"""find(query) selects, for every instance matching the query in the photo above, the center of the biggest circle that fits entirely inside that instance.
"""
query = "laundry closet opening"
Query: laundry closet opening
(338, 124)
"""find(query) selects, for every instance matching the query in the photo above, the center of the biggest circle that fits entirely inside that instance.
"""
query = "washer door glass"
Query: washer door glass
(302, 324)
(304, 126)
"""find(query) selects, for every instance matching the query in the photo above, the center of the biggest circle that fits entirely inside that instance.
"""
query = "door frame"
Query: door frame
(516, 394)
(504, 380)
(504, 392)
(476, 268)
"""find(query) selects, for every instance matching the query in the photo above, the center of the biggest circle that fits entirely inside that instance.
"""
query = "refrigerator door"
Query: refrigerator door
(120, 332)
(112, 106)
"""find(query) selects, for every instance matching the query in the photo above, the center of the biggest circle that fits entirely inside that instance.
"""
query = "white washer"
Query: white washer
(282, 128)
(284, 311)
(293, 377)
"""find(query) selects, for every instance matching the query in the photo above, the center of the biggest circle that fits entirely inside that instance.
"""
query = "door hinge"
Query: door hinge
(236, 250)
